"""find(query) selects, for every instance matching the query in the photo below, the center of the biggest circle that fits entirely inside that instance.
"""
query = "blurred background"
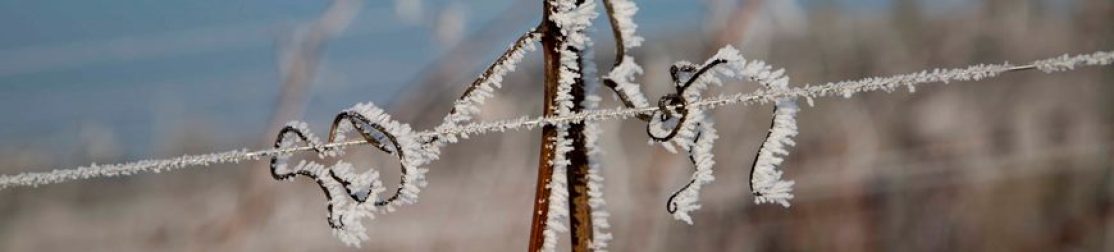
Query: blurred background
(1017, 163)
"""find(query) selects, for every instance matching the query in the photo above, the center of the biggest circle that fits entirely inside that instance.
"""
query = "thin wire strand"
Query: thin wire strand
(808, 92)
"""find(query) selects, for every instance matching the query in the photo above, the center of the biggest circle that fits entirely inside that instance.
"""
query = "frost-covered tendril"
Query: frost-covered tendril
(621, 78)
(622, 14)
(351, 196)
(679, 124)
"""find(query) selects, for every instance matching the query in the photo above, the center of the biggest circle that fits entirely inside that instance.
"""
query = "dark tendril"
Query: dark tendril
(373, 133)
(670, 205)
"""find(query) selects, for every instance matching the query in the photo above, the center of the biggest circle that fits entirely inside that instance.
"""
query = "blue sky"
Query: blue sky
(134, 67)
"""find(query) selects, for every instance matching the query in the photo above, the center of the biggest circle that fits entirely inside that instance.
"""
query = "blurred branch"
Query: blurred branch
(738, 23)
(299, 58)
(298, 61)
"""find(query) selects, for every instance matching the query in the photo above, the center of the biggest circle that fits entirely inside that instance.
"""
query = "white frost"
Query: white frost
(687, 200)
(696, 134)
(623, 75)
(624, 17)
(353, 196)
(465, 108)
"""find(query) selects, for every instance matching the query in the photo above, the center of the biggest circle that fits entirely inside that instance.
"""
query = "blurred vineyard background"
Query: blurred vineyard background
(1018, 163)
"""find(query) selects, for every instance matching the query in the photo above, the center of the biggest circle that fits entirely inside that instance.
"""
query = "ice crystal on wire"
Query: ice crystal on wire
(35, 179)
(1066, 62)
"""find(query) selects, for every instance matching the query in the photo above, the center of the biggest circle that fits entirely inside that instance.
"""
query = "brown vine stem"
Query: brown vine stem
(580, 213)
(580, 219)
(549, 32)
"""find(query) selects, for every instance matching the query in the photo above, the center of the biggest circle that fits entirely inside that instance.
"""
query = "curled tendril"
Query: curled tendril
(351, 195)
(368, 131)
(664, 114)
(671, 204)
(677, 123)
(684, 74)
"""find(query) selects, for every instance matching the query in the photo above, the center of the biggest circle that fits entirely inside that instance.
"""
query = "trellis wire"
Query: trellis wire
(845, 88)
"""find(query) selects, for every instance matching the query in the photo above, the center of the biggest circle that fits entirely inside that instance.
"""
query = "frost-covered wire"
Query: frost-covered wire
(808, 92)
(35, 179)
(1067, 62)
